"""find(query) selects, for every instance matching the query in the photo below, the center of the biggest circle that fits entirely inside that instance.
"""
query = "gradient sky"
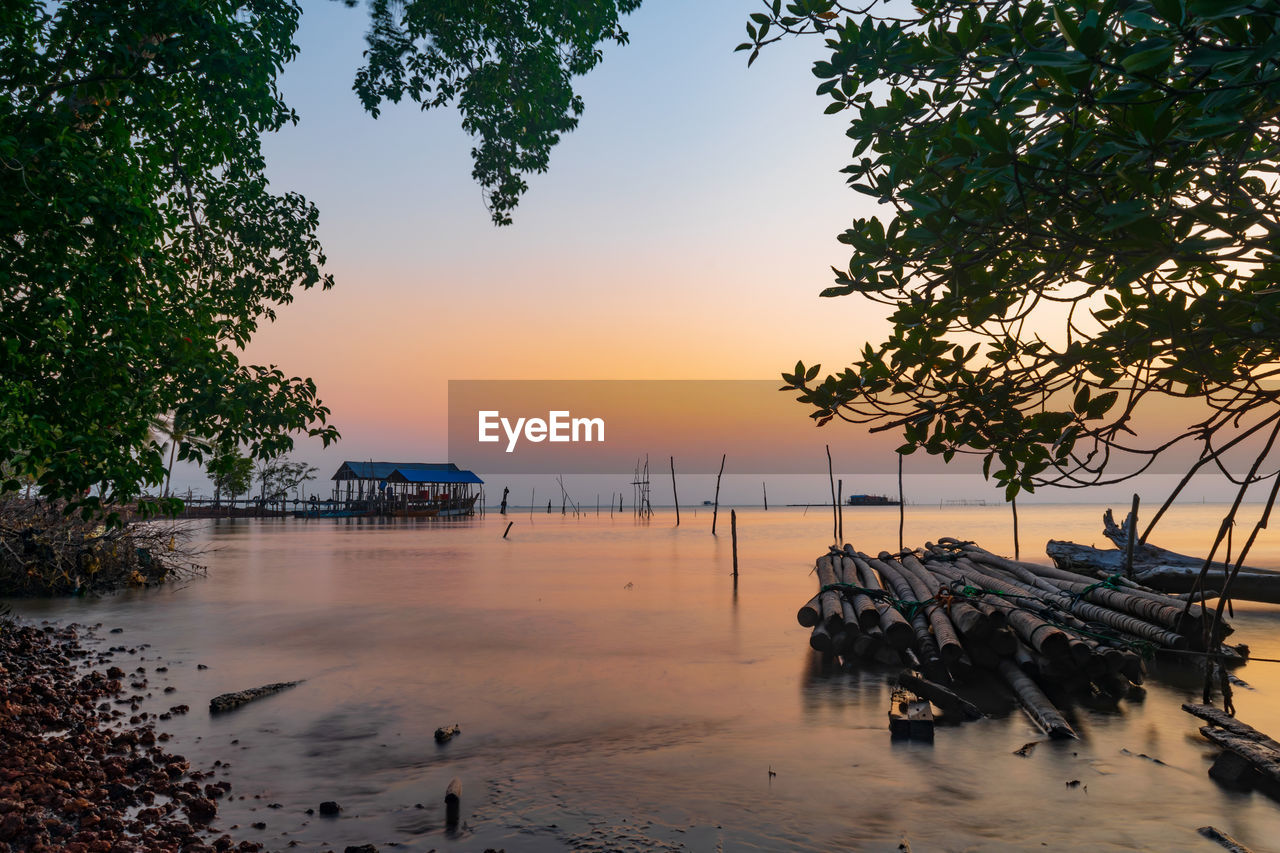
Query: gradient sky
(683, 231)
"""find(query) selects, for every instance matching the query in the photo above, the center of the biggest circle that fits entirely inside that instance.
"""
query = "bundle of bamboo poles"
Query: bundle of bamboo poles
(952, 610)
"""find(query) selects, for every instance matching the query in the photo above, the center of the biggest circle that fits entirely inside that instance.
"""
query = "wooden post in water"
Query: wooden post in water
(765, 487)
(832, 477)
(715, 510)
(1014, 504)
(452, 802)
(733, 532)
(1133, 535)
(674, 495)
(902, 507)
(840, 511)
(508, 530)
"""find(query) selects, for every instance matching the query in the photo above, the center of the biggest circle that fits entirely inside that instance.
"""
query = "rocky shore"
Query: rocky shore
(82, 769)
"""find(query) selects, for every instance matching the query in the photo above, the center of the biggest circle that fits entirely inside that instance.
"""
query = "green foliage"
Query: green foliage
(507, 66)
(140, 246)
(231, 473)
(1083, 212)
(278, 477)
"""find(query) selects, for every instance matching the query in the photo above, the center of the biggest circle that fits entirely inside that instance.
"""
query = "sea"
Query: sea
(616, 688)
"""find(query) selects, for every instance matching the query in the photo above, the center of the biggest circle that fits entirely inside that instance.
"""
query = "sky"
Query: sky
(683, 231)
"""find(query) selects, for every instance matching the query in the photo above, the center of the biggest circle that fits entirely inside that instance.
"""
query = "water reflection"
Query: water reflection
(618, 691)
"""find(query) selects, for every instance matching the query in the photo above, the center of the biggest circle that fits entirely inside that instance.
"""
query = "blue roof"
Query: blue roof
(457, 475)
(382, 470)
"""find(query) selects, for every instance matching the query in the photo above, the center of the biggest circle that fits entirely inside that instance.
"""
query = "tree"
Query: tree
(140, 244)
(231, 472)
(1082, 217)
(277, 477)
(507, 66)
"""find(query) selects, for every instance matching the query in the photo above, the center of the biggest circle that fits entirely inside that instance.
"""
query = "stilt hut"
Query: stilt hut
(417, 492)
(398, 488)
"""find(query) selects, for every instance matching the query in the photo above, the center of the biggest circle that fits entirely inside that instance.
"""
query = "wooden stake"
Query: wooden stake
(765, 487)
(733, 532)
(835, 525)
(840, 511)
(508, 530)
(1014, 504)
(715, 511)
(452, 802)
(902, 507)
(1133, 535)
(674, 495)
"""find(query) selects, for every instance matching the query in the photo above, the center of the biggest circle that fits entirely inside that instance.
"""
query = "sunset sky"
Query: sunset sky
(682, 232)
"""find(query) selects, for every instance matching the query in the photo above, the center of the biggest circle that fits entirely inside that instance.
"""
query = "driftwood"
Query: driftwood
(1265, 761)
(939, 695)
(231, 701)
(1260, 751)
(1214, 834)
(1160, 568)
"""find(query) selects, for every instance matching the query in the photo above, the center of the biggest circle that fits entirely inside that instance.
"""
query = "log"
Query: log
(923, 587)
(1037, 705)
(1094, 612)
(1152, 607)
(1265, 761)
(944, 698)
(1250, 584)
(897, 631)
(832, 613)
(1034, 631)
(811, 612)
(926, 646)
(820, 639)
(863, 606)
(1222, 720)
(230, 701)
(1214, 834)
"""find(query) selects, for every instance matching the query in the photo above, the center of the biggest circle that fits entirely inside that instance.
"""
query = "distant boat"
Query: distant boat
(707, 503)
(871, 500)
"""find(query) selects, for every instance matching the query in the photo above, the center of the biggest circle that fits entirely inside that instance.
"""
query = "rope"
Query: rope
(907, 608)
(1113, 583)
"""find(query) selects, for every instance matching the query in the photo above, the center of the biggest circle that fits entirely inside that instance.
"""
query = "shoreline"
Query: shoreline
(84, 770)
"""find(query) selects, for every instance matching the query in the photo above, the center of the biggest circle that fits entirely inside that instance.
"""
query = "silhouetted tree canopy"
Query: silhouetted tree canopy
(1081, 214)
(141, 245)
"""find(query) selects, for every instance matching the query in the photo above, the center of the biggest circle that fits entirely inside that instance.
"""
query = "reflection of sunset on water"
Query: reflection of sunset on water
(611, 685)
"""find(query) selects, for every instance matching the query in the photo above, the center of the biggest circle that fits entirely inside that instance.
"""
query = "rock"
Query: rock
(1233, 771)
(201, 810)
(447, 733)
(329, 808)
(361, 848)
(117, 630)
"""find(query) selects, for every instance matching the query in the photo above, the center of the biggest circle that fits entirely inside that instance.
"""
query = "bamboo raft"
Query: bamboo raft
(953, 613)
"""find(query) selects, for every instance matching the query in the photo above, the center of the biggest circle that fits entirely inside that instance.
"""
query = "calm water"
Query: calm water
(616, 693)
